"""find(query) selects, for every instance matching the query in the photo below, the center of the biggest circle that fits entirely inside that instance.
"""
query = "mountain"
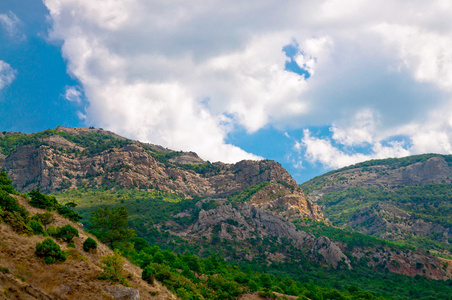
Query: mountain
(65, 158)
(408, 199)
(251, 213)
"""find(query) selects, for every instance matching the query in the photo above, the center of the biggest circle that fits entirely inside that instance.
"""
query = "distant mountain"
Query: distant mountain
(408, 199)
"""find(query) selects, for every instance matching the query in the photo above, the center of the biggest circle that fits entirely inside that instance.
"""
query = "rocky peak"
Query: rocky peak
(59, 163)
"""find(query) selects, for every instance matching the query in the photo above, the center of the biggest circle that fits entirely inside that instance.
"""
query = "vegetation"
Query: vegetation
(36, 227)
(430, 202)
(50, 251)
(113, 268)
(90, 245)
(6, 184)
(111, 226)
(44, 218)
(353, 239)
(67, 233)
(40, 200)
(247, 193)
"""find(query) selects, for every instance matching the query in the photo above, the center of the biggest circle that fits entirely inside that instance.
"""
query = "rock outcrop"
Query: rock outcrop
(435, 169)
(389, 222)
(56, 164)
(242, 222)
(331, 252)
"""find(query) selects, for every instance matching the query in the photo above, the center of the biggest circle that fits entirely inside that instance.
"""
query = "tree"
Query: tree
(111, 226)
(40, 200)
(44, 218)
(6, 184)
(67, 233)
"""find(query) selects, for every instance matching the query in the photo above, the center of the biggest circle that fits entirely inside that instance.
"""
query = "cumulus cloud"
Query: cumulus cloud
(187, 74)
(11, 24)
(7, 74)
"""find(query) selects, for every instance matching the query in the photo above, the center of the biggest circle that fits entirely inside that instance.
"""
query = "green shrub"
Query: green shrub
(17, 222)
(6, 184)
(149, 274)
(90, 245)
(112, 266)
(36, 227)
(68, 213)
(40, 200)
(8, 203)
(66, 233)
(52, 231)
(44, 218)
(50, 251)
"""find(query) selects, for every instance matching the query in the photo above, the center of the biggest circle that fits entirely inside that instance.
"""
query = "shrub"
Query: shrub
(112, 266)
(8, 203)
(149, 274)
(90, 245)
(68, 213)
(36, 227)
(50, 251)
(17, 222)
(40, 200)
(44, 218)
(6, 184)
(52, 231)
(66, 233)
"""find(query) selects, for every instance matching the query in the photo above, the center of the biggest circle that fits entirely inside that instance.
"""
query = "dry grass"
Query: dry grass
(76, 278)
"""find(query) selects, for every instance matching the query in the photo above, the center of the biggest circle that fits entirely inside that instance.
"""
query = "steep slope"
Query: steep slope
(407, 199)
(65, 158)
(23, 275)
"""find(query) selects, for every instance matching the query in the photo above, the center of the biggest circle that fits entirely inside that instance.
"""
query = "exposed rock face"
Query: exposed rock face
(434, 170)
(405, 262)
(58, 164)
(330, 251)
(123, 293)
(190, 158)
(387, 221)
(246, 221)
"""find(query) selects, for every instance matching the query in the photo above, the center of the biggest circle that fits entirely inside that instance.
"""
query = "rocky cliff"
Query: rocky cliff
(385, 174)
(67, 158)
(405, 199)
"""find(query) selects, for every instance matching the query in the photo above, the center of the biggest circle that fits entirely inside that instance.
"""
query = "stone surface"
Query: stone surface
(133, 166)
(331, 252)
(389, 222)
(123, 293)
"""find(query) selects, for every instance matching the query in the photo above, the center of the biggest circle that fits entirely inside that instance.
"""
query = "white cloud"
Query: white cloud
(427, 53)
(185, 74)
(360, 130)
(322, 150)
(7, 74)
(11, 24)
(73, 94)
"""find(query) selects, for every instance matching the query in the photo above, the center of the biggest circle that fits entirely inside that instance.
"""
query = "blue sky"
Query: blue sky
(314, 85)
